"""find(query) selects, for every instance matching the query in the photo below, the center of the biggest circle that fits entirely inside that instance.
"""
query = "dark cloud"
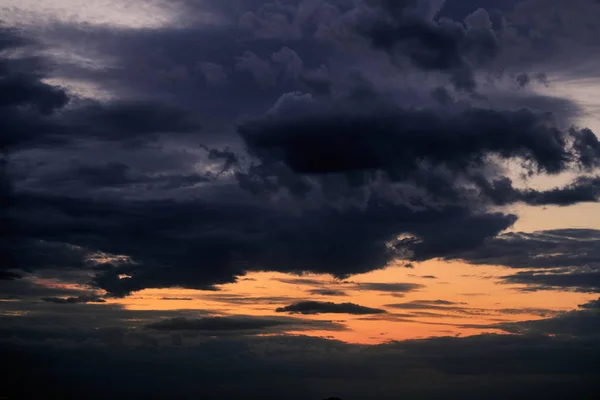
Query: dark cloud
(556, 280)
(565, 111)
(430, 305)
(460, 9)
(313, 140)
(327, 292)
(340, 286)
(177, 298)
(78, 321)
(244, 325)
(542, 78)
(26, 102)
(440, 302)
(523, 80)
(442, 96)
(317, 81)
(20, 288)
(214, 324)
(75, 300)
(301, 281)
(118, 174)
(125, 120)
(388, 135)
(434, 45)
(591, 305)
(77, 225)
(27, 91)
(581, 190)
(214, 74)
(543, 28)
(542, 312)
(222, 69)
(229, 158)
(11, 39)
(31, 254)
(587, 147)
(318, 307)
(578, 323)
(503, 366)
(156, 234)
(239, 299)
(446, 155)
(8, 275)
(553, 248)
(130, 123)
(561, 259)
(390, 287)
(260, 70)
(324, 149)
(347, 179)
(23, 91)
(35, 113)
(449, 309)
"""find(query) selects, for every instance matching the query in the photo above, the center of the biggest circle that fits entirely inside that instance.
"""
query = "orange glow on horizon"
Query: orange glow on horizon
(480, 301)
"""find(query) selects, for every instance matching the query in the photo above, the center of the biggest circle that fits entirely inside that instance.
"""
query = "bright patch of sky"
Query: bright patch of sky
(115, 13)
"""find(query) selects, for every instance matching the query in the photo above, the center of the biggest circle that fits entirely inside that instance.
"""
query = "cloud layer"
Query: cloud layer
(184, 144)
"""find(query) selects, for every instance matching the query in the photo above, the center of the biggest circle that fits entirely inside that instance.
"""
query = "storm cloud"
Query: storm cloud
(215, 146)
(376, 170)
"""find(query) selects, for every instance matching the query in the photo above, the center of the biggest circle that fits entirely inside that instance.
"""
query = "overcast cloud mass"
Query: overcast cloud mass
(300, 199)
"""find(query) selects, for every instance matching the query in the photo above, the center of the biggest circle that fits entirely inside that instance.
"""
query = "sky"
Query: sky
(299, 199)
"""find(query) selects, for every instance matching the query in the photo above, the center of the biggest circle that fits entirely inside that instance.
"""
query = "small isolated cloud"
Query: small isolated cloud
(429, 305)
(327, 292)
(177, 298)
(301, 281)
(390, 287)
(318, 307)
